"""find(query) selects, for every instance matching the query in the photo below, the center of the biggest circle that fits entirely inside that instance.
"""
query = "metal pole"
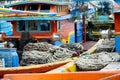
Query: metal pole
(84, 27)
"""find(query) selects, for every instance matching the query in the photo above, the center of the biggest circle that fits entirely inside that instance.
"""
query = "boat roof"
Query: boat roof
(39, 2)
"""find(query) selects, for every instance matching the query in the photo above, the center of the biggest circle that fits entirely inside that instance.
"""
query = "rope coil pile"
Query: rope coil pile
(96, 61)
(103, 56)
(77, 47)
(40, 53)
(37, 46)
(106, 45)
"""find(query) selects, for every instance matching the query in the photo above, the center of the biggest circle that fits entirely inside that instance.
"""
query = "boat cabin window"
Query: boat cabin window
(45, 8)
(21, 25)
(20, 7)
(32, 8)
(32, 26)
(45, 26)
(58, 25)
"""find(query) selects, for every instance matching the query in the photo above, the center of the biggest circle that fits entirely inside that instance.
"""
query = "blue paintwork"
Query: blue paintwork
(36, 18)
(57, 43)
(79, 37)
(79, 31)
(72, 38)
(117, 1)
(116, 11)
(75, 13)
(6, 27)
(78, 12)
(117, 44)
(103, 17)
(83, 0)
(1, 45)
(5, 10)
(10, 56)
(91, 10)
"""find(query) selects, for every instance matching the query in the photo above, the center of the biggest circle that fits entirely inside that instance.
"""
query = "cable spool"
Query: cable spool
(106, 34)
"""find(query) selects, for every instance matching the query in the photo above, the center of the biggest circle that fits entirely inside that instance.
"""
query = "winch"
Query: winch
(106, 34)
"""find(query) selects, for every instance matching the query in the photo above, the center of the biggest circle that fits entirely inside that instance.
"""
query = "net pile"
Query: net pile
(43, 46)
(39, 55)
(96, 61)
(106, 45)
(77, 47)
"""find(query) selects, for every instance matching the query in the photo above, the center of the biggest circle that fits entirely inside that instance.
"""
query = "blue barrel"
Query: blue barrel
(117, 43)
(15, 58)
(10, 56)
(79, 31)
(79, 37)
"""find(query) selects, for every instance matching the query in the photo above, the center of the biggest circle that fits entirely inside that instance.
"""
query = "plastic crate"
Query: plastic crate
(10, 57)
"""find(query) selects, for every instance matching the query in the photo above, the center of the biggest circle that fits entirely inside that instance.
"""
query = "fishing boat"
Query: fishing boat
(31, 14)
(57, 73)
(39, 21)
(38, 68)
(70, 71)
(67, 67)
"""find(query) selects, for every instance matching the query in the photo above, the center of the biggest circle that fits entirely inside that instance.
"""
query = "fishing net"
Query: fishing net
(77, 47)
(34, 57)
(96, 61)
(106, 45)
(42, 46)
(59, 54)
(47, 55)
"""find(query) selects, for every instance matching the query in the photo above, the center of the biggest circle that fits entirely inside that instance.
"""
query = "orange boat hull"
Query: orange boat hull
(90, 75)
(31, 69)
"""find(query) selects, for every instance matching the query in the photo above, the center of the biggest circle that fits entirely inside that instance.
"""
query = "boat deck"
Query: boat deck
(87, 45)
